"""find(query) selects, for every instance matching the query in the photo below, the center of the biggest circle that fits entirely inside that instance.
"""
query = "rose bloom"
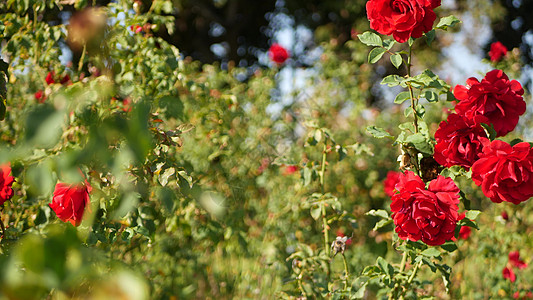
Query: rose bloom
(401, 18)
(6, 180)
(39, 96)
(465, 232)
(508, 273)
(497, 51)
(390, 182)
(495, 97)
(459, 141)
(505, 172)
(424, 214)
(69, 202)
(514, 259)
(278, 54)
(50, 77)
(505, 216)
(290, 169)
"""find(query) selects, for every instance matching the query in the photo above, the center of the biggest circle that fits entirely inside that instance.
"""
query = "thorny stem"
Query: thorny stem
(346, 273)
(397, 285)
(413, 100)
(410, 280)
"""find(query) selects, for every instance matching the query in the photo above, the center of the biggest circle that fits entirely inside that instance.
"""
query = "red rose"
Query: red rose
(514, 259)
(50, 77)
(497, 51)
(401, 18)
(65, 79)
(6, 180)
(459, 141)
(390, 182)
(495, 97)
(505, 216)
(69, 201)
(508, 273)
(39, 96)
(278, 54)
(424, 214)
(465, 232)
(505, 172)
(289, 170)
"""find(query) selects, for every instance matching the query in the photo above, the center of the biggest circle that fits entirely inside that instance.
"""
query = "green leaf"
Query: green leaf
(378, 132)
(430, 36)
(392, 80)
(396, 60)
(472, 214)
(381, 224)
(378, 213)
(446, 22)
(431, 96)
(431, 252)
(489, 129)
(385, 266)
(376, 54)
(402, 97)
(466, 201)
(420, 142)
(370, 39)
(388, 44)
(163, 178)
(315, 212)
(449, 246)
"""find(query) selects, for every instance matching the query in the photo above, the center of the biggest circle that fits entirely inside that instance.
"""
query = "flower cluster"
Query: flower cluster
(51, 78)
(514, 261)
(504, 172)
(497, 51)
(424, 214)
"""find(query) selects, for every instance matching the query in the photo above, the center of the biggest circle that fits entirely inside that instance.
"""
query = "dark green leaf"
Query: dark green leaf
(431, 96)
(449, 246)
(430, 36)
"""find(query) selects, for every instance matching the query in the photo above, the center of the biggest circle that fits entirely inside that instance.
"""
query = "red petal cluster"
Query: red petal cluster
(278, 54)
(390, 182)
(514, 259)
(402, 18)
(505, 172)
(69, 202)
(508, 273)
(495, 97)
(6, 180)
(459, 141)
(497, 51)
(424, 214)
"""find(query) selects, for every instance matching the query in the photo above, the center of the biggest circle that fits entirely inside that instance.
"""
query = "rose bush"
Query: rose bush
(424, 214)
(69, 202)
(401, 18)
(505, 172)
(495, 97)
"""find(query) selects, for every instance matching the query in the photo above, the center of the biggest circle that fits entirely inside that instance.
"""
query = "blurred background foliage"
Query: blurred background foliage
(202, 190)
